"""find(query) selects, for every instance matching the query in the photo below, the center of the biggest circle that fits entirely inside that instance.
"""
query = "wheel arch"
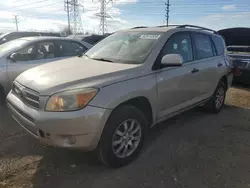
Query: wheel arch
(143, 104)
(2, 91)
(224, 79)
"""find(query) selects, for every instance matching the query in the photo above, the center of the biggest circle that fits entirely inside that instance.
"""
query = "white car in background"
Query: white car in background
(22, 54)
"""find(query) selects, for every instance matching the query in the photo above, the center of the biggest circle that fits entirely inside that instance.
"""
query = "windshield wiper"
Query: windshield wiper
(83, 55)
(103, 59)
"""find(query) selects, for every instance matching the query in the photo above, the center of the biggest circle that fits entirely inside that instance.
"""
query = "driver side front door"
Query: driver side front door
(176, 86)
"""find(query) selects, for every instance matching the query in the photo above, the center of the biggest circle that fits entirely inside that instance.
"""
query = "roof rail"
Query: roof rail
(198, 27)
(193, 26)
(181, 26)
(168, 26)
(138, 27)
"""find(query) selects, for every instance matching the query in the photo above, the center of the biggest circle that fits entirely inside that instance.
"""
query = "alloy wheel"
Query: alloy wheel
(126, 138)
(219, 98)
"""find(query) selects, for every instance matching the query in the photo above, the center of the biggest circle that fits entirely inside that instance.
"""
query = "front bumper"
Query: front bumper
(77, 129)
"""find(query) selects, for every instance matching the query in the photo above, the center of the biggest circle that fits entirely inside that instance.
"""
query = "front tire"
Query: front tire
(216, 102)
(123, 136)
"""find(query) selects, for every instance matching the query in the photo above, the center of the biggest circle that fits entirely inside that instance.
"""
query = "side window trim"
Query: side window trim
(157, 63)
(194, 45)
(213, 38)
(215, 51)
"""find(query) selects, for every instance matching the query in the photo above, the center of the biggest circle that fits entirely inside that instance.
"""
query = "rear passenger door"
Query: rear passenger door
(207, 64)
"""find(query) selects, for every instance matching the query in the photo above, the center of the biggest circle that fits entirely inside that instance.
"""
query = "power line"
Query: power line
(37, 7)
(42, 1)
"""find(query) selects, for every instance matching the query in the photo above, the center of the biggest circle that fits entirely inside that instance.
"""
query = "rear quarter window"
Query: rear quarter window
(219, 45)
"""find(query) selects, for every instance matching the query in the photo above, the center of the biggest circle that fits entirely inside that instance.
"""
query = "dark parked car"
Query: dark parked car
(91, 39)
(238, 46)
(6, 37)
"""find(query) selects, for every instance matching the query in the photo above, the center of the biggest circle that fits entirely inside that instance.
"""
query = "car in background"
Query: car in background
(108, 99)
(21, 54)
(6, 37)
(91, 39)
(238, 46)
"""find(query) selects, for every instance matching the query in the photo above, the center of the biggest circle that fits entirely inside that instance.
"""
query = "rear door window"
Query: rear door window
(69, 48)
(92, 39)
(45, 50)
(219, 44)
(203, 46)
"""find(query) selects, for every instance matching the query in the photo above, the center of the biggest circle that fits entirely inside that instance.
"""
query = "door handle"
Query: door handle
(219, 65)
(195, 70)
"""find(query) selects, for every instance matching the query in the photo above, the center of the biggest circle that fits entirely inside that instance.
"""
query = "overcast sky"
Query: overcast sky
(50, 15)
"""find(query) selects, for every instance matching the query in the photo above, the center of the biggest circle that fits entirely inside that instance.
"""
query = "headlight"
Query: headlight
(70, 100)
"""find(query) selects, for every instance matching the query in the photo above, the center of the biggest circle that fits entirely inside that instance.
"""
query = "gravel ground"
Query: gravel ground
(194, 149)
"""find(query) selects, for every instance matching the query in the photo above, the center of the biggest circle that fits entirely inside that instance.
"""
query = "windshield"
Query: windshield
(3, 38)
(6, 47)
(125, 47)
(3, 35)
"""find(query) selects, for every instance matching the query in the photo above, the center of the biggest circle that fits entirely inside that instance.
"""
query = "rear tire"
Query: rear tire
(123, 136)
(216, 102)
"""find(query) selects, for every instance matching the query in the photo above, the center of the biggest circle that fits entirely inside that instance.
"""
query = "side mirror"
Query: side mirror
(14, 57)
(172, 60)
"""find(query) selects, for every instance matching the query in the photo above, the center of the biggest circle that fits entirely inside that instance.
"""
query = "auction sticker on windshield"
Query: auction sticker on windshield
(153, 37)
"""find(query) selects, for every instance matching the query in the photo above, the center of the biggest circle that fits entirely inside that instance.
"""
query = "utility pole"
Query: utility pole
(167, 12)
(74, 16)
(16, 20)
(66, 7)
(103, 16)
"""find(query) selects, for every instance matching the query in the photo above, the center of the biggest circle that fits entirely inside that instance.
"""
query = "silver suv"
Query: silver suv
(17, 56)
(108, 99)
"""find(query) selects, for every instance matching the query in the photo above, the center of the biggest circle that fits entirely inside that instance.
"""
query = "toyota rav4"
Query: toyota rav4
(108, 99)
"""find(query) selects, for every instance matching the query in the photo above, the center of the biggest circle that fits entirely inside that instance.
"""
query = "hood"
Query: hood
(236, 36)
(73, 73)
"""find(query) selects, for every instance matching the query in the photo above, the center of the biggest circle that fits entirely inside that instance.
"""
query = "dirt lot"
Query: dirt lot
(194, 149)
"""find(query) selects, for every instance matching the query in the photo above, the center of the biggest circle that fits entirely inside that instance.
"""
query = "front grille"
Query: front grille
(28, 96)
